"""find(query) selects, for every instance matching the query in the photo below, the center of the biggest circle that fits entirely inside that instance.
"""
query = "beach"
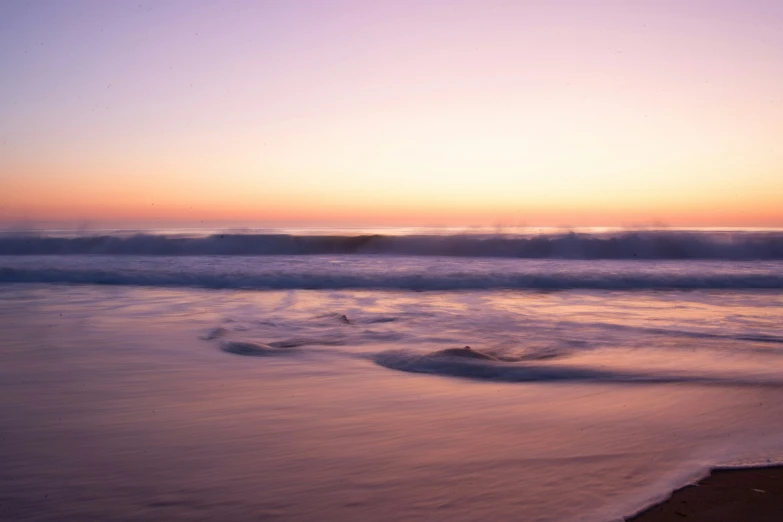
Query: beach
(419, 260)
(726, 495)
(149, 397)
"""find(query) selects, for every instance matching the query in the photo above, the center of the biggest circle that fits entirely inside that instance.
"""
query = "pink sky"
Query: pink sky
(319, 112)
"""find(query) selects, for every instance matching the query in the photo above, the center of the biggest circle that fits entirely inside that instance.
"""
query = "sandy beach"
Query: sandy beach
(418, 260)
(726, 495)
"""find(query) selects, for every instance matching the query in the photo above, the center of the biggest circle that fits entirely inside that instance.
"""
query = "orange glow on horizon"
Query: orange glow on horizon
(480, 114)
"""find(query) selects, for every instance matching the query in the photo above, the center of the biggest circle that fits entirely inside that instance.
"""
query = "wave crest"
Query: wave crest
(393, 281)
(623, 245)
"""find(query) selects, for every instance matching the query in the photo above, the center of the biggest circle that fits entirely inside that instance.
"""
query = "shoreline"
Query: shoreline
(725, 495)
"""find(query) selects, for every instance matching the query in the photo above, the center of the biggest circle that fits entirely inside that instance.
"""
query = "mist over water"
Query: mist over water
(148, 384)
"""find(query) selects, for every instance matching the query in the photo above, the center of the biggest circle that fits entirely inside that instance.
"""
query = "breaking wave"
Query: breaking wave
(391, 281)
(622, 245)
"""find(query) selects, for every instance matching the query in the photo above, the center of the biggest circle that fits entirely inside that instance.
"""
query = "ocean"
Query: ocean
(305, 375)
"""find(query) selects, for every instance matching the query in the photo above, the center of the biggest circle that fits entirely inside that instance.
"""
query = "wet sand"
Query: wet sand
(736, 495)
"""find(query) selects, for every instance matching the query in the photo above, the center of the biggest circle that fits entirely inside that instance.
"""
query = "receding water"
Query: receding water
(339, 387)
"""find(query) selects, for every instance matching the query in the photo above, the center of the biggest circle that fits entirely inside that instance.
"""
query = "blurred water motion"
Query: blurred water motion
(119, 403)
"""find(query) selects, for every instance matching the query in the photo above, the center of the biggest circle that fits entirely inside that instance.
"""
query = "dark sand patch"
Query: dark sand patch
(736, 495)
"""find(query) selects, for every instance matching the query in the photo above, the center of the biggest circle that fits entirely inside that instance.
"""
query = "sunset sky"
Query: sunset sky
(392, 112)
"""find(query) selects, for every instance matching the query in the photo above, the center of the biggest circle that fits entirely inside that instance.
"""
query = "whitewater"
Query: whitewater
(537, 376)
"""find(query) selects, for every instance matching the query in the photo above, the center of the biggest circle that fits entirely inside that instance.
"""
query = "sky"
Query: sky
(427, 112)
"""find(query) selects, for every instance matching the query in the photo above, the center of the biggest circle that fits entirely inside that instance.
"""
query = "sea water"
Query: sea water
(276, 376)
